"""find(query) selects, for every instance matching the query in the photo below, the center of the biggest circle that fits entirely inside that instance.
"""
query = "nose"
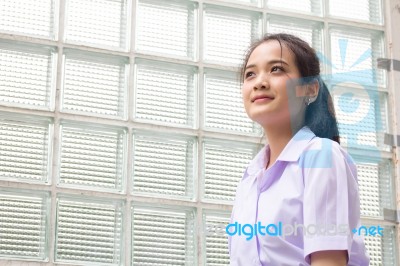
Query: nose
(261, 83)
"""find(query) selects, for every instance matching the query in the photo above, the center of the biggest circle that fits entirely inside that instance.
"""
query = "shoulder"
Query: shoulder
(326, 159)
(324, 152)
(323, 145)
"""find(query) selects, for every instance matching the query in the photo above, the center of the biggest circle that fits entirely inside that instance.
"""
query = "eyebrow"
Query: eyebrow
(269, 63)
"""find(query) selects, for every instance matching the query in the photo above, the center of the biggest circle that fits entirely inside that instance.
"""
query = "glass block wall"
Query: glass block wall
(122, 131)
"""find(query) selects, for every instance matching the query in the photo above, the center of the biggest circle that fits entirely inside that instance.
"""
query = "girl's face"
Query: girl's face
(269, 91)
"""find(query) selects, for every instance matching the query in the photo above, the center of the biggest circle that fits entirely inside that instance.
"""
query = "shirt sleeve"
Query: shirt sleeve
(331, 207)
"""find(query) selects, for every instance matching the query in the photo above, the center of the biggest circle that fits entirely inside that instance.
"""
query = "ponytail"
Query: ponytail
(320, 115)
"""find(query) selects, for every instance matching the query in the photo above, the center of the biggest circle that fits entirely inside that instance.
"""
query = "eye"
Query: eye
(277, 68)
(249, 74)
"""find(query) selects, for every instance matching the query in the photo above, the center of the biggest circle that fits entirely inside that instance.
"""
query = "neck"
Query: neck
(278, 136)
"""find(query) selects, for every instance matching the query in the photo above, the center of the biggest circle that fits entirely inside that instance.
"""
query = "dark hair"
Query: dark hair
(320, 115)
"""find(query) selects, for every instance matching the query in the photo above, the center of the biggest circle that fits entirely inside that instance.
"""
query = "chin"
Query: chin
(270, 119)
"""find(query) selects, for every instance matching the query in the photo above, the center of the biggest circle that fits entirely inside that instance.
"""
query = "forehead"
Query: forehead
(271, 50)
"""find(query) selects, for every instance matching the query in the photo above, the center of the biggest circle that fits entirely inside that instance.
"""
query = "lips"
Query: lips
(259, 97)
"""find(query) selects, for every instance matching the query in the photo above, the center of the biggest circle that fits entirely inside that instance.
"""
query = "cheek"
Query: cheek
(287, 91)
(281, 83)
(295, 103)
(245, 92)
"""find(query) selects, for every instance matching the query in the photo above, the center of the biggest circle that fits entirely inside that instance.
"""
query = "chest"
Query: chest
(281, 200)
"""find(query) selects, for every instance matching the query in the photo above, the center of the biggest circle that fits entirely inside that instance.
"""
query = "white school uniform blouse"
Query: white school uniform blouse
(314, 183)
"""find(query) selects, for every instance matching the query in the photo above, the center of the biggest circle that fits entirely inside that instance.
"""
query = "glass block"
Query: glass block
(165, 93)
(95, 84)
(24, 224)
(382, 249)
(101, 23)
(92, 156)
(89, 231)
(216, 240)
(375, 186)
(164, 164)
(163, 236)
(258, 3)
(302, 6)
(386, 185)
(354, 53)
(28, 74)
(361, 113)
(309, 31)
(25, 147)
(167, 27)
(224, 164)
(34, 18)
(228, 33)
(224, 108)
(366, 10)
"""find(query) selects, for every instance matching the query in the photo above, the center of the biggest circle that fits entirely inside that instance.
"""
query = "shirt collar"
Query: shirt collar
(290, 153)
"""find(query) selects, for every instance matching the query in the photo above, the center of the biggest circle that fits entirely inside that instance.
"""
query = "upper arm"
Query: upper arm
(330, 199)
(329, 258)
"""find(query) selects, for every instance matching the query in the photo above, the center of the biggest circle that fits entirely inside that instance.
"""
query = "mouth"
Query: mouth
(261, 99)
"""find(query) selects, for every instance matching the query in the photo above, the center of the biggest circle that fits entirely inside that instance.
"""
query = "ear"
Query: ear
(313, 89)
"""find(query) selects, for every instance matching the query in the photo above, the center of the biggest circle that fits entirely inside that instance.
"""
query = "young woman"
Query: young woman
(298, 201)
